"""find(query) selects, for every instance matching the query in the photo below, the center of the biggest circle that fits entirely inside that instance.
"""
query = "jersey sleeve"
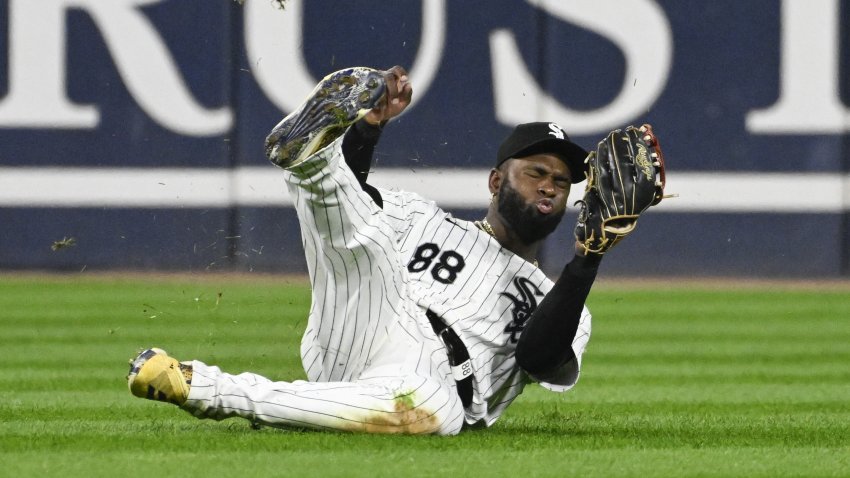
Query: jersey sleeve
(567, 375)
(403, 209)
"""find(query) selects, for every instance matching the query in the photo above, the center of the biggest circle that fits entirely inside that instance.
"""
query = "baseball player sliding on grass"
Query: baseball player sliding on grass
(420, 322)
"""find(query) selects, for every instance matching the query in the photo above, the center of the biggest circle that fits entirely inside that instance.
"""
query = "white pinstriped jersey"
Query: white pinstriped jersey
(480, 289)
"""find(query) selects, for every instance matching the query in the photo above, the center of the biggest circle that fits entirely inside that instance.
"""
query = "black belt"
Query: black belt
(458, 357)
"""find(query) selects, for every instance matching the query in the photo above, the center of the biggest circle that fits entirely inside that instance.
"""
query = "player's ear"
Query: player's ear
(494, 182)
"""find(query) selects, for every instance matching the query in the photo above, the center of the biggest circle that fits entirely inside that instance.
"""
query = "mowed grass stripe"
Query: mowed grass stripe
(645, 431)
(727, 461)
(64, 407)
(677, 382)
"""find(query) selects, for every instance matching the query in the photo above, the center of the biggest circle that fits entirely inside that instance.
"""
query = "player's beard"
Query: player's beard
(524, 219)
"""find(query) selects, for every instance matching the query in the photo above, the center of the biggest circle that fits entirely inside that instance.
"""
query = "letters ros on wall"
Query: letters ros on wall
(37, 97)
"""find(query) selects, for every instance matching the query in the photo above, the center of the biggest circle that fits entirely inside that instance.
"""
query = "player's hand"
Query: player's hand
(399, 93)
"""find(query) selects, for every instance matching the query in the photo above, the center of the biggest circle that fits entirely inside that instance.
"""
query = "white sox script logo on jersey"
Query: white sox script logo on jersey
(524, 305)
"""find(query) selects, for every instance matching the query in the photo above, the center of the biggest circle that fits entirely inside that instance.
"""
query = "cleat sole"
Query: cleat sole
(339, 100)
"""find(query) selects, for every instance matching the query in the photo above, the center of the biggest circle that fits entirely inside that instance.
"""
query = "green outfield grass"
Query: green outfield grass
(686, 380)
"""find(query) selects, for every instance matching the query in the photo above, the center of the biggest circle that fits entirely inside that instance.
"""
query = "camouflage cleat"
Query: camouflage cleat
(156, 376)
(339, 100)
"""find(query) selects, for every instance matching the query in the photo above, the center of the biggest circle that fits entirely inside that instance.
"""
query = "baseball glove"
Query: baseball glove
(625, 176)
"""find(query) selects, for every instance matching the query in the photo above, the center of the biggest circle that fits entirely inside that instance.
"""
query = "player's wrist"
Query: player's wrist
(584, 265)
(367, 130)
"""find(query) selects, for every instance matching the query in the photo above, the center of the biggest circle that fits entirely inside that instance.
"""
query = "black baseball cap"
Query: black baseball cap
(541, 137)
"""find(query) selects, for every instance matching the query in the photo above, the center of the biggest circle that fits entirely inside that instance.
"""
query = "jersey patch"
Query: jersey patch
(525, 303)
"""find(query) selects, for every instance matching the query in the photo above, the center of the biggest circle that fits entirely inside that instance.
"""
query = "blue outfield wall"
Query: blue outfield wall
(136, 127)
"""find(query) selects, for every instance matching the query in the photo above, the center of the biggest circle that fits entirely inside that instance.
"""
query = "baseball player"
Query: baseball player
(420, 322)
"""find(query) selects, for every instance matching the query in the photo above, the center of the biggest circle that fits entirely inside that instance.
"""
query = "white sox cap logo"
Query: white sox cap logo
(557, 131)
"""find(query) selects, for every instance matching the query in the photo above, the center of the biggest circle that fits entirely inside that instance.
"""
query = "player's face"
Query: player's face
(533, 195)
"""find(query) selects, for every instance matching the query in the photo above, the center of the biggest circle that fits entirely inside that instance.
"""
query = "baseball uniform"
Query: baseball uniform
(372, 358)
(415, 315)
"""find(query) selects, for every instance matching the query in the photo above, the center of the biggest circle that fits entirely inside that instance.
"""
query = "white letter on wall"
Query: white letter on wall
(37, 96)
(647, 46)
(809, 98)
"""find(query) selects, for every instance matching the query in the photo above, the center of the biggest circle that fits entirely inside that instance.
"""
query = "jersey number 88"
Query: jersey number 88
(445, 270)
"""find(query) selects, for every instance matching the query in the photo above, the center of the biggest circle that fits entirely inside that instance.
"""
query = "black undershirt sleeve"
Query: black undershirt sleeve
(546, 341)
(358, 148)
